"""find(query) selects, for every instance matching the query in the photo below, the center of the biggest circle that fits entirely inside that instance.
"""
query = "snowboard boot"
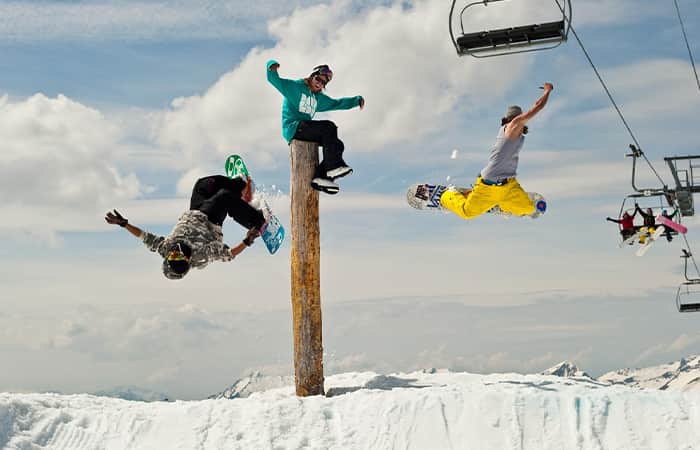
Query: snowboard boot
(325, 185)
(339, 172)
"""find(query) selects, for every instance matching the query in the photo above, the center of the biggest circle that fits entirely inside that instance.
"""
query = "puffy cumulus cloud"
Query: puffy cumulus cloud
(398, 57)
(58, 154)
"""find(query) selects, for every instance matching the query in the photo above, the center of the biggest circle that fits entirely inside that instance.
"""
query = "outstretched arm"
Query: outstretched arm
(613, 220)
(515, 126)
(326, 103)
(114, 218)
(250, 237)
(152, 242)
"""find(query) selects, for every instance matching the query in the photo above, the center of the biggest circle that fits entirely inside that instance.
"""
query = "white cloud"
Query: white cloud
(413, 83)
(58, 153)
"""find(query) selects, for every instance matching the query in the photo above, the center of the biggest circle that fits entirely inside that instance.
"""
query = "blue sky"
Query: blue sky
(105, 106)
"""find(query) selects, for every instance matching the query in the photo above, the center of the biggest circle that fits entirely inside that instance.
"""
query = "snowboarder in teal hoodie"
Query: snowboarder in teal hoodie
(302, 99)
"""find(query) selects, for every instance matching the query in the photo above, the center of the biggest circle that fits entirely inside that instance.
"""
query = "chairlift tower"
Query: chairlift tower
(686, 174)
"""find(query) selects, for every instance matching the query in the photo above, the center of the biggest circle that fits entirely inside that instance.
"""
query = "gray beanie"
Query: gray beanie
(513, 111)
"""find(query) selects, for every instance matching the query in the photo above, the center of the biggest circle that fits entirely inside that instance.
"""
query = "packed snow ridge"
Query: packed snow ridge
(420, 410)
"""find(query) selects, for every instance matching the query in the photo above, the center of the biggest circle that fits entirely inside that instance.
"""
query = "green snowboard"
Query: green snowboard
(273, 232)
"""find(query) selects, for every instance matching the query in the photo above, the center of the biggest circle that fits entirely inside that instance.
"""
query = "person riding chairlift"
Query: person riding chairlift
(626, 222)
(649, 222)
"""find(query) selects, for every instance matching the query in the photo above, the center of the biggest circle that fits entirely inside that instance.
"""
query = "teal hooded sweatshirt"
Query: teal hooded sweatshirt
(301, 104)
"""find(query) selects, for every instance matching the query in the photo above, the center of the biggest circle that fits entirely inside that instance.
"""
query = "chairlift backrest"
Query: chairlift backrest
(688, 297)
(506, 41)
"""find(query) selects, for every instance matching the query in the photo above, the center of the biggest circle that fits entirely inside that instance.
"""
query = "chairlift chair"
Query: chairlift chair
(629, 201)
(506, 41)
(688, 293)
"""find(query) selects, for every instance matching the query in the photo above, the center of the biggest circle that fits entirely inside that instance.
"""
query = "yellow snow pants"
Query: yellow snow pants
(510, 197)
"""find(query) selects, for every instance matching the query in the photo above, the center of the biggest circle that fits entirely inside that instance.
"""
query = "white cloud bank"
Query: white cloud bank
(396, 57)
(57, 155)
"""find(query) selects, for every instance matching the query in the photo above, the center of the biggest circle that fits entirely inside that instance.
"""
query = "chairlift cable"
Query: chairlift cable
(685, 36)
(612, 100)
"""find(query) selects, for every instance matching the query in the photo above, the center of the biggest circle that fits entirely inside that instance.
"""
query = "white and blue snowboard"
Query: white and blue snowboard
(426, 196)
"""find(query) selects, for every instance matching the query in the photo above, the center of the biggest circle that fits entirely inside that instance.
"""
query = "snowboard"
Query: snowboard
(273, 232)
(650, 239)
(665, 221)
(426, 196)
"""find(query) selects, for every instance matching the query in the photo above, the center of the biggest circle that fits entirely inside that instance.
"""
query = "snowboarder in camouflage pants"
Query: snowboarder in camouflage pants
(197, 238)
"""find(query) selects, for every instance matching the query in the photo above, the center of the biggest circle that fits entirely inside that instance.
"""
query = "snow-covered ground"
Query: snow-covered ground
(418, 410)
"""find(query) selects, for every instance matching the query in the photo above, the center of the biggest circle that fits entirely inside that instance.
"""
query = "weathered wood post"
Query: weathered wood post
(306, 270)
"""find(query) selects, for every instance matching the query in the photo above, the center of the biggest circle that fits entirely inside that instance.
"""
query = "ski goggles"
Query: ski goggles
(325, 71)
(177, 254)
(320, 79)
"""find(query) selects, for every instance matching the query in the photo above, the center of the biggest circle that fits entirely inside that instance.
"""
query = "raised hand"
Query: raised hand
(114, 218)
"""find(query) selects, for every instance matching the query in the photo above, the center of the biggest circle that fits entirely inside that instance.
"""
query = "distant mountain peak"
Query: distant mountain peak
(133, 393)
(682, 375)
(566, 369)
(255, 382)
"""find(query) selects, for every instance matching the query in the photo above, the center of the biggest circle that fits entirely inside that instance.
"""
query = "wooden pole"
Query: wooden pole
(306, 270)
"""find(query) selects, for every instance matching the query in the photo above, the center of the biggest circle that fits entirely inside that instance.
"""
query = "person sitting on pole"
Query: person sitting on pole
(303, 98)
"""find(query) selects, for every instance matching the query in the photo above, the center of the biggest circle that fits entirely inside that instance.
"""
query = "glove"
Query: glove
(116, 219)
(250, 236)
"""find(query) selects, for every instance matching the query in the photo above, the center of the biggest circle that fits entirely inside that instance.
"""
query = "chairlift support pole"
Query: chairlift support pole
(646, 192)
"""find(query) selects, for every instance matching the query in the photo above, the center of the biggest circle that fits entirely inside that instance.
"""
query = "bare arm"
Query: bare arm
(114, 218)
(250, 237)
(515, 126)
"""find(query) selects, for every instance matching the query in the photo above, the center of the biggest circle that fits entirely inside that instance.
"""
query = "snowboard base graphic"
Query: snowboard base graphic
(273, 232)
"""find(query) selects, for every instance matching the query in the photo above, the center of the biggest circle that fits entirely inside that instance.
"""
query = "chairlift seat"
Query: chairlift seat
(506, 38)
(688, 295)
(689, 307)
(507, 41)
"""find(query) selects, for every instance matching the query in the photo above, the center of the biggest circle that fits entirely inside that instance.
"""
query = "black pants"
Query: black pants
(627, 233)
(217, 195)
(325, 133)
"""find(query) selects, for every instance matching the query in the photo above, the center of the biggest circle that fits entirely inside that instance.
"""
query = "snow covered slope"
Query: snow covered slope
(681, 375)
(409, 411)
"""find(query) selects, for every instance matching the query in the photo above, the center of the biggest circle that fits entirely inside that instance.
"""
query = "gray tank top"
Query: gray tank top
(503, 160)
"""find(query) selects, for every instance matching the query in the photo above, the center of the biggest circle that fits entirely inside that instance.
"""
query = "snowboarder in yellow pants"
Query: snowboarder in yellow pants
(496, 184)
(509, 196)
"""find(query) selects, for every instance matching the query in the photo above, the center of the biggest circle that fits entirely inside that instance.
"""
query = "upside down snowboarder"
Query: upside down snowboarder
(197, 238)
